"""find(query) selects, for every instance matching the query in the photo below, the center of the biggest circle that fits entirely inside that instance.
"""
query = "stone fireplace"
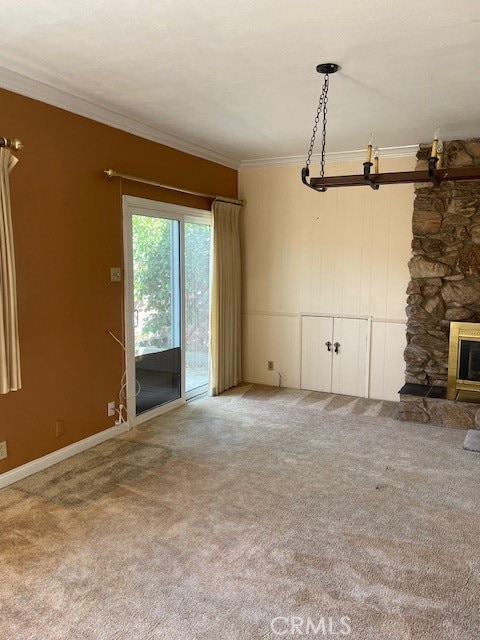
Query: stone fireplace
(444, 286)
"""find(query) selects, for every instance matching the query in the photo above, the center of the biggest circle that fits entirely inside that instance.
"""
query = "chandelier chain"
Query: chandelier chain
(321, 109)
(324, 130)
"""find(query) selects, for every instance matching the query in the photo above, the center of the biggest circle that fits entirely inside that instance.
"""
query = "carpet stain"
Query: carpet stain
(94, 474)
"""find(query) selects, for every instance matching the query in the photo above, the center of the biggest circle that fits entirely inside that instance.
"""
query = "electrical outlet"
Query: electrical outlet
(59, 428)
(3, 450)
(270, 365)
(115, 274)
(111, 409)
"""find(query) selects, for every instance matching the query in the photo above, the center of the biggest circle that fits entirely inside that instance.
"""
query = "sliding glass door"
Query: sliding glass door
(197, 306)
(167, 287)
(157, 313)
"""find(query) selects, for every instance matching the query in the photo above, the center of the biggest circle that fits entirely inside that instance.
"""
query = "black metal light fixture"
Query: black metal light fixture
(435, 174)
(326, 68)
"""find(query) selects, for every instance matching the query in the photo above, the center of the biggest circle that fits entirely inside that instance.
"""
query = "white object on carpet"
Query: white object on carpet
(472, 440)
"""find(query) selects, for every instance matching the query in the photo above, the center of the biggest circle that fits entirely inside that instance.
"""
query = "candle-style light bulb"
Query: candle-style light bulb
(440, 154)
(375, 160)
(368, 157)
(436, 135)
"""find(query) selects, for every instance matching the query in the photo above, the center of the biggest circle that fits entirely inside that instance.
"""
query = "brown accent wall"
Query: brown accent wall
(67, 220)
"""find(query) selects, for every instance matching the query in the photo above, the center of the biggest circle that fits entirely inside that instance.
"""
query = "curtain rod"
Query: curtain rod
(114, 174)
(12, 143)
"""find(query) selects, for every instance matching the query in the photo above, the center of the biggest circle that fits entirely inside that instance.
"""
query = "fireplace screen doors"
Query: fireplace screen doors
(464, 361)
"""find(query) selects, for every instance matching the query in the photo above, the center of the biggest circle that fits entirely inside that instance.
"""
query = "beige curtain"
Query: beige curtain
(225, 323)
(10, 379)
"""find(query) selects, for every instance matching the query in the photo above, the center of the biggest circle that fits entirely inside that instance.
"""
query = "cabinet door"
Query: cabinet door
(316, 374)
(349, 364)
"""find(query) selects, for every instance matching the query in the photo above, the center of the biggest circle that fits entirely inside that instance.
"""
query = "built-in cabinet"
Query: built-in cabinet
(334, 354)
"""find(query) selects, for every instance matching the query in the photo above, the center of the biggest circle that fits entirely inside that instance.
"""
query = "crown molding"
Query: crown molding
(26, 86)
(337, 156)
(38, 90)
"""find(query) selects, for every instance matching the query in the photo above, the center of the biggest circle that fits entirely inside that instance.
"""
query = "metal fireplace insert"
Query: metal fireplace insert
(463, 381)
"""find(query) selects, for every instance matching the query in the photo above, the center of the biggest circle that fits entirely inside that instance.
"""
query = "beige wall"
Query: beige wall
(341, 252)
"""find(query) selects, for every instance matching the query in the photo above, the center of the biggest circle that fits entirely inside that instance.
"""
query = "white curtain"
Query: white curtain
(10, 379)
(225, 323)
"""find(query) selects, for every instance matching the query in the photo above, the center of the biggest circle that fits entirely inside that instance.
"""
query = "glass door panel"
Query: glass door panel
(157, 311)
(197, 304)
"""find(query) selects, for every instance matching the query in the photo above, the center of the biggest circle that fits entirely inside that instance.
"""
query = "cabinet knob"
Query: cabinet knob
(328, 345)
(337, 347)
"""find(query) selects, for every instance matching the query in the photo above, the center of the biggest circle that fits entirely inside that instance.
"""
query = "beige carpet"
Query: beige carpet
(216, 519)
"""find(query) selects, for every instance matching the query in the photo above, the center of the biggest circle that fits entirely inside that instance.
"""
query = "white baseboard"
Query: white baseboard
(14, 475)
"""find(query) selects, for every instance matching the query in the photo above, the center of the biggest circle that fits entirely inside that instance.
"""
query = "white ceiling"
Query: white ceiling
(238, 76)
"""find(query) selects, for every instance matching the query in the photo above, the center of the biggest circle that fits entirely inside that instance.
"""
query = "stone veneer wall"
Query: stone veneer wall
(445, 265)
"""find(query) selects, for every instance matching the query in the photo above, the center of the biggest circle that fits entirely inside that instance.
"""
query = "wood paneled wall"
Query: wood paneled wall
(341, 252)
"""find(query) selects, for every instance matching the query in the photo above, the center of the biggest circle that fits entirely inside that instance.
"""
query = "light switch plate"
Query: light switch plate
(115, 274)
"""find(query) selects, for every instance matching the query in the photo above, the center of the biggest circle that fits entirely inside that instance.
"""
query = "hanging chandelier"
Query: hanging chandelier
(435, 173)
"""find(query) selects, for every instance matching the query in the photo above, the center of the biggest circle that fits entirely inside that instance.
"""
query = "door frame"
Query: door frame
(155, 209)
